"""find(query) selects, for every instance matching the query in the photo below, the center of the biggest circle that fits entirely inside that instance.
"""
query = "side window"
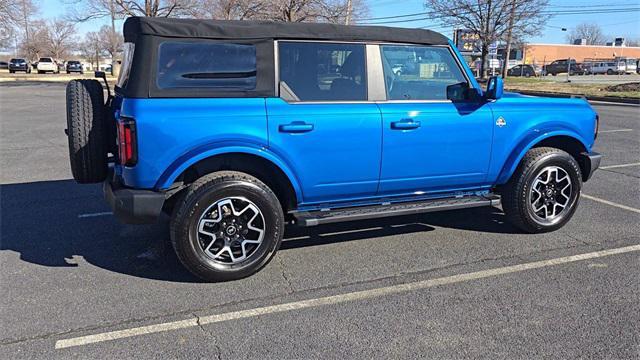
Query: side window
(422, 73)
(221, 66)
(322, 71)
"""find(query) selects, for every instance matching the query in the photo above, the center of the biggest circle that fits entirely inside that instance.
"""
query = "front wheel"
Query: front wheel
(228, 226)
(542, 194)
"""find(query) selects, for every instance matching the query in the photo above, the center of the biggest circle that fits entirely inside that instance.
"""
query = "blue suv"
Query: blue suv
(236, 128)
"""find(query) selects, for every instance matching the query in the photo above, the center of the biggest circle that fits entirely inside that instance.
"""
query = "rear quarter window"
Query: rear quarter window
(214, 65)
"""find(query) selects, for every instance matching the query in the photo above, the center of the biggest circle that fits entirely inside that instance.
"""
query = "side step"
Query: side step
(313, 218)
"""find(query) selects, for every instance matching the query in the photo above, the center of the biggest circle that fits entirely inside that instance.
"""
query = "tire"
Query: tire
(88, 135)
(554, 74)
(11, 71)
(238, 192)
(40, 72)
(518, 196)
(609, 72)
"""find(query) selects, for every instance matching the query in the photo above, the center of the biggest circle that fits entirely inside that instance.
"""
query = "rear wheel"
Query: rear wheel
(87, 131)
(228, 226)
(543, 193)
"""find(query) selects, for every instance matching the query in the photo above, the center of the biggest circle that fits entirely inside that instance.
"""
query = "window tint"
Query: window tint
(422, 73)
(323, 71)
(45, 60)
(206, 65)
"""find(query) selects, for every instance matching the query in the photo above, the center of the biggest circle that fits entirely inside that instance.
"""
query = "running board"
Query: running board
(313, 218)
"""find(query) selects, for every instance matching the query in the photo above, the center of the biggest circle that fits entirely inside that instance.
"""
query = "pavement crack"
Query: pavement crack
(209, 334)
(620, 173)
(291, 289)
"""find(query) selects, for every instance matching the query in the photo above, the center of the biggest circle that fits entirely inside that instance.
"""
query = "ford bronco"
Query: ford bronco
(236, 128)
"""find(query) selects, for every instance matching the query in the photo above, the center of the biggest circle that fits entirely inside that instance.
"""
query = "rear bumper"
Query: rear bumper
(589, 163)
(133, 206)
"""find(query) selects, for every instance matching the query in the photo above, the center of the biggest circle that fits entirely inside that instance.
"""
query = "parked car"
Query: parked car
(19, 65)
(607, 67)
(47, 64)
(523, 70)
(4, 65)
(190, 132)
(74, 66)
(562, 66)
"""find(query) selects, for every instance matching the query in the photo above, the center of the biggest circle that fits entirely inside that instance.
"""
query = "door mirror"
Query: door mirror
(495, 88)
(461, 92)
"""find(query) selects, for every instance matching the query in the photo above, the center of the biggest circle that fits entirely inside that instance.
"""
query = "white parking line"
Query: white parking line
(81, 216)
(619, 166)
(332, 300)
(614, 130)
(611, 203)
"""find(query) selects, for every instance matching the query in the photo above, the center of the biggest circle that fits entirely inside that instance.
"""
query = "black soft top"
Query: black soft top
(254, 30)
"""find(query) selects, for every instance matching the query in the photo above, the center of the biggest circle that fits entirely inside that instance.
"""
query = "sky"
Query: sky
(613, 25)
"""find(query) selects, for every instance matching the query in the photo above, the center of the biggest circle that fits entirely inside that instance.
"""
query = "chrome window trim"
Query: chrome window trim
(376, 88)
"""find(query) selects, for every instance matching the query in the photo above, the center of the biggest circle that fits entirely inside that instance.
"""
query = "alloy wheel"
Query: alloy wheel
(550, 195)
(231, 230)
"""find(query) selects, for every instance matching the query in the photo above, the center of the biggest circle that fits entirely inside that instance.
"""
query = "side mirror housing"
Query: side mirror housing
(495, 88)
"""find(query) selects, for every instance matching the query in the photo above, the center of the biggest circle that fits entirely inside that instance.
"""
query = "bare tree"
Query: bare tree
(231, 9)
(91, 48)
(155, 8)
(60, 37)
(110, 42)
(36, 45)
(491, 19)
(592, 32)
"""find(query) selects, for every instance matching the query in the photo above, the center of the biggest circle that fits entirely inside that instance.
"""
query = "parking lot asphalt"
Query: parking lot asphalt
(445, 285)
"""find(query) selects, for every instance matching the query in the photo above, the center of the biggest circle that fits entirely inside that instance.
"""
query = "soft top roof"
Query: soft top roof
(229, 29)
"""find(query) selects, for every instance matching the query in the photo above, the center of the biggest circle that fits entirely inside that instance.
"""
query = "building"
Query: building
(540, 54)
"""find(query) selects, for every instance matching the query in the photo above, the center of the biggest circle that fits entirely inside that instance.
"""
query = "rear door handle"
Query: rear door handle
(296, 127)
(405, 124)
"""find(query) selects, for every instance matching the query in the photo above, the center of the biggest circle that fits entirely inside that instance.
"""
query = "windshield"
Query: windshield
(44, 60)
(16, 61)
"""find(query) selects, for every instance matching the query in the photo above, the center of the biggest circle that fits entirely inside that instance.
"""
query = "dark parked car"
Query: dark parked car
(74, 66)
(19, 65)
(4, 65)
(522, 70)
(561, 66)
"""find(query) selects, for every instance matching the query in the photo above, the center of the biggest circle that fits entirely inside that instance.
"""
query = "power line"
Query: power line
(544, 12)
(423, 13)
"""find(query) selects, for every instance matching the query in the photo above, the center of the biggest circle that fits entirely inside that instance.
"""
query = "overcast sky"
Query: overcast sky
(614, 25)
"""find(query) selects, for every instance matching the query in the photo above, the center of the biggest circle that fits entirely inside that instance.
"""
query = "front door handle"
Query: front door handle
(405, 124)
(296, 127)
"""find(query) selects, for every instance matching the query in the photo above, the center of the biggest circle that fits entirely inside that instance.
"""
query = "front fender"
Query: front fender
(528, 142)
(185, 161)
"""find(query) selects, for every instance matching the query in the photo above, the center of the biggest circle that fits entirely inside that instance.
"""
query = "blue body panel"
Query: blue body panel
(530, 120)
(450, 147)
(339, 157)
(352, 153)
(173, 132)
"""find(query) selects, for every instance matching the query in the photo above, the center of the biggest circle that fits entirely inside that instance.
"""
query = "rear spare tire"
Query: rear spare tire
(87, 131)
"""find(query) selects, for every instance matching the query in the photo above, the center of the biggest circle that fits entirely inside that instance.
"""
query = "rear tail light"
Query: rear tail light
(127, 144)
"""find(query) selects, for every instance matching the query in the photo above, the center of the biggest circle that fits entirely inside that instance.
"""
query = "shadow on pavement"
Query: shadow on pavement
(40, 222)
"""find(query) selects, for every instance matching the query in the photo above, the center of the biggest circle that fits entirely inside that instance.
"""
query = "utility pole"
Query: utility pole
(113, 41)
(349, 11)
(486, 42)
(512, 16)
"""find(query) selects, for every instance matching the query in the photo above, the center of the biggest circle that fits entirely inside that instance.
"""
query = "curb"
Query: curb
(608, 99)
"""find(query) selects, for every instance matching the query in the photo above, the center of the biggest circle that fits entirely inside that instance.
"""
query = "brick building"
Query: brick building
(540, 54)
